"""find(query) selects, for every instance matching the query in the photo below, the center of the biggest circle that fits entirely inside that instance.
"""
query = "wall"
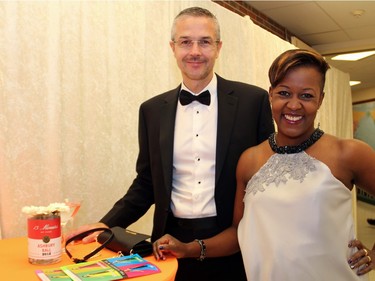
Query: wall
(243, 9)
(366, 94)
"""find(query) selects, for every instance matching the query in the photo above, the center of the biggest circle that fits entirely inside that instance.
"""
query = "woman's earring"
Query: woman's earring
(317, 119)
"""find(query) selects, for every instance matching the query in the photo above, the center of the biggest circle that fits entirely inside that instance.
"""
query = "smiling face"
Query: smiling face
(295, 101)
(197, 61)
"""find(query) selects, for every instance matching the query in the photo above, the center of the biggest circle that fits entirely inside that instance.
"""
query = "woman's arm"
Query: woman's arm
(222, 244)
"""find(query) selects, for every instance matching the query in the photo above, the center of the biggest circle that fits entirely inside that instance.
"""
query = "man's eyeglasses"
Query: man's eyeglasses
(202, 43)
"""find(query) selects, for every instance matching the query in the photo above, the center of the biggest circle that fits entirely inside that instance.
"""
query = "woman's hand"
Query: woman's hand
(363, 260)
(167, 244)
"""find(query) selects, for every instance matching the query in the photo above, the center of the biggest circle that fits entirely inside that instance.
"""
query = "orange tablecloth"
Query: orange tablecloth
(14, 265)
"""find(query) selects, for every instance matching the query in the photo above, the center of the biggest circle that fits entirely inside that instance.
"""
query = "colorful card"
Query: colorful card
(134, 266)
(52, 274)
(103, 270)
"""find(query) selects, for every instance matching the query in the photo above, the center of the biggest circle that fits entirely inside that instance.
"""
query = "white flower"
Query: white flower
(51, 208)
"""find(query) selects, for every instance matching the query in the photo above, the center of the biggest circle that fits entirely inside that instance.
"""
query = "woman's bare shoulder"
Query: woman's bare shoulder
(350, 154)
(253, 158)
(258, 152)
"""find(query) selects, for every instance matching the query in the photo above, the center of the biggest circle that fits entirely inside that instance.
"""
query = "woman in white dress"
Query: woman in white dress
(297, 218)
(293, 209)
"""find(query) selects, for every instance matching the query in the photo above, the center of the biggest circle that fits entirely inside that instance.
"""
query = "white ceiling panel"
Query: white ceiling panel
(341, 12)
(361, 33)
(303, 18)
(327, 37)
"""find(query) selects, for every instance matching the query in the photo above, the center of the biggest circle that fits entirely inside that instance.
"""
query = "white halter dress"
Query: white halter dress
(297, 222)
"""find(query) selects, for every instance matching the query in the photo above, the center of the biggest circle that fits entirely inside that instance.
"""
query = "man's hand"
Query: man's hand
(89, 238)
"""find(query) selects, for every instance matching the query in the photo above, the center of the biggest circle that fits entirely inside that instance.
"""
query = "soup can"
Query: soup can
(44, 238)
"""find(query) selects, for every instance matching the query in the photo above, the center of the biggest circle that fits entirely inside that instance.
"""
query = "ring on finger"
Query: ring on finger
(366, 252)
(369, 259)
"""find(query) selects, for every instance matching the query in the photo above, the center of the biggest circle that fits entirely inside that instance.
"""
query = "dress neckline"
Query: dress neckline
(286, 149)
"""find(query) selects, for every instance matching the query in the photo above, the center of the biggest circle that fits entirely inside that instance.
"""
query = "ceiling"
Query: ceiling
(330, 28)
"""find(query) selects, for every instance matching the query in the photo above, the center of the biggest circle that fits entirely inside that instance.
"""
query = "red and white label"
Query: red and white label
(44, 238)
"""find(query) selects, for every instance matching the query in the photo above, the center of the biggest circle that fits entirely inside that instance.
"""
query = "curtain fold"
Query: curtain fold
(72, 77)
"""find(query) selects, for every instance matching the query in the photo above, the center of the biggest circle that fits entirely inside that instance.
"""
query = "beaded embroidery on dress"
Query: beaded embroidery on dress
(279, 169)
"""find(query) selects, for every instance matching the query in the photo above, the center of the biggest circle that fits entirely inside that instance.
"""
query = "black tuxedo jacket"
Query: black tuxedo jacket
(244, 120)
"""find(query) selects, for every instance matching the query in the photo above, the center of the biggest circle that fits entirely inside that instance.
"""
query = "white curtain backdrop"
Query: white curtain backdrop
(72, 76)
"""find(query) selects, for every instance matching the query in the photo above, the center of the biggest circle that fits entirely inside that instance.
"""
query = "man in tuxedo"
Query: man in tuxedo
(190, 140)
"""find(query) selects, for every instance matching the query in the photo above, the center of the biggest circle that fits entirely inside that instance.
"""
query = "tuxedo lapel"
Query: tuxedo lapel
(227, 106)
(167, 123)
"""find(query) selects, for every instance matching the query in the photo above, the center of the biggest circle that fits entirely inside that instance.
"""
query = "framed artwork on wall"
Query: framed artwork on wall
(364, 129)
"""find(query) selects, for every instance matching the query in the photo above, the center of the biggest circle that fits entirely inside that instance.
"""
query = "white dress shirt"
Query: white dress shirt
(194, 157)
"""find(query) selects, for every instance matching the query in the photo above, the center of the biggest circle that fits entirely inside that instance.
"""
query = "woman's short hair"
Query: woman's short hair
(296, 58)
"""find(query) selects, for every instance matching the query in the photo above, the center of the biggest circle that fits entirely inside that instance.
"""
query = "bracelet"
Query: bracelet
(203, 249)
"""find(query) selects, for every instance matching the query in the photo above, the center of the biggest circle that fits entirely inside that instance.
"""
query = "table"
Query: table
(14, 264)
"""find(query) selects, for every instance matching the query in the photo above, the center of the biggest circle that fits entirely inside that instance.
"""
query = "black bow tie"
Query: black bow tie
(186, 97)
